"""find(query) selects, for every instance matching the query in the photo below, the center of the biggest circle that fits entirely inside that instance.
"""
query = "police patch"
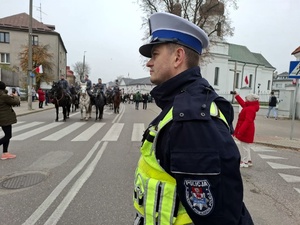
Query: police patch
(199, 196)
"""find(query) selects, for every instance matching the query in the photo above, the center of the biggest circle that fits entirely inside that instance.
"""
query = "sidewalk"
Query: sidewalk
(269, 131)
(23, 109)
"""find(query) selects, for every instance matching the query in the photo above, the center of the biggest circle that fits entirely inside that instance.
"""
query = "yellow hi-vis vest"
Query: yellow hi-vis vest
(154, 189)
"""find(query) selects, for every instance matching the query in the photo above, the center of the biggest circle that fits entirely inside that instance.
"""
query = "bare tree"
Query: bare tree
(210, 15)
(81, 69)
(40, 56)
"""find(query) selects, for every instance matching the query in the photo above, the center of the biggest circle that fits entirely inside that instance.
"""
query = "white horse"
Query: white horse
(85, 103)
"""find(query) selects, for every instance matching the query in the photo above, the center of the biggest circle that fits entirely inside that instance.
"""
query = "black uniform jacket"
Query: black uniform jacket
(199, 151)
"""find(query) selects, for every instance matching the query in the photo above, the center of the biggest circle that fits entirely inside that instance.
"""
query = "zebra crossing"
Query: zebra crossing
(24, 130)
(278, 166)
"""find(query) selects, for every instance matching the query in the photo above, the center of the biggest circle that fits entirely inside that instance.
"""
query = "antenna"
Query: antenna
(41, 12)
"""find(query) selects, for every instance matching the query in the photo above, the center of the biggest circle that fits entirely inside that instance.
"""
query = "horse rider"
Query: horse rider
(116, 88)
(64, 85)
(88, 85)
(101, 87)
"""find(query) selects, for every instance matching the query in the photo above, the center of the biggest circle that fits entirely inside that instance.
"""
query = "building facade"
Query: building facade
(14, 37)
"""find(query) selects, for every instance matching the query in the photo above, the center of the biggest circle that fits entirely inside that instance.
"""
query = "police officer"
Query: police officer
(188, 172)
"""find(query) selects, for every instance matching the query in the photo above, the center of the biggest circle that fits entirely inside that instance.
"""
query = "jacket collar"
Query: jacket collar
(165, 93)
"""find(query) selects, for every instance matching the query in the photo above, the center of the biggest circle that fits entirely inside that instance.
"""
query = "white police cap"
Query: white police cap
(169, 28)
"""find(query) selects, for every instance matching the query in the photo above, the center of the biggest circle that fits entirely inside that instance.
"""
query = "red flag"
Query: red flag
(39, 69)
(246, 80)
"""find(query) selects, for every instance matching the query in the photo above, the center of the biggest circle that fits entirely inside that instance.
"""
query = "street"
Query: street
(82, 172)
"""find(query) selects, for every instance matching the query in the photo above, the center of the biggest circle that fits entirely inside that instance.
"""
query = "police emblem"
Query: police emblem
(199, 196)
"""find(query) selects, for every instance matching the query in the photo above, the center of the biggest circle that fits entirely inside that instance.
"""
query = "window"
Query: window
(250, 80)
(4, 37)
(269, 85)
(35, 40)
(5, 58)
(216, 79)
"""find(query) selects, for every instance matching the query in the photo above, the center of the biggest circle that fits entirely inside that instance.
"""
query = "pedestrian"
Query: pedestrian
(188, 172)
(7, 118)
(41, 94)
(46, 98)
(272, 105)
(138, 98)
(145, 100)
(245, 127)
(33, 94)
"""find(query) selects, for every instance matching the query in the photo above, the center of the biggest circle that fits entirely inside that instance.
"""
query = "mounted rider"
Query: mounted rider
(101, 87)
(88, 84)
(116, 88)
(64, 85)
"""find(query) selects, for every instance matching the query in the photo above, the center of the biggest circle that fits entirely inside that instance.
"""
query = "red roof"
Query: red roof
(297, 50)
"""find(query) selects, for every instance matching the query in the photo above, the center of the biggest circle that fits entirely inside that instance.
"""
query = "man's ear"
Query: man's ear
(179, 57)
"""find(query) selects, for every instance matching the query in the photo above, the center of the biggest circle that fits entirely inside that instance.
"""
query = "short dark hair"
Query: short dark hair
(272, 92)
(2, 85)
(192, 57)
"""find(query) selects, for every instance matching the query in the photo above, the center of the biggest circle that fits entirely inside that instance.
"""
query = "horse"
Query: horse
(117, 101)
(99, 102)
(109, 100)
(60, 98)
(85, 103)
(75, 99)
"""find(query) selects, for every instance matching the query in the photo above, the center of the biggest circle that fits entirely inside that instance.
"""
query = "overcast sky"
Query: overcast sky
(109, 32)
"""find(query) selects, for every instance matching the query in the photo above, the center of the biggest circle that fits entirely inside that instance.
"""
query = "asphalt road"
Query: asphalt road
(85, 172)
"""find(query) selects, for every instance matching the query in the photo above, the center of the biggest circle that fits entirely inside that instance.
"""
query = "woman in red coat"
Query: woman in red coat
(41, 94)
(245, 128)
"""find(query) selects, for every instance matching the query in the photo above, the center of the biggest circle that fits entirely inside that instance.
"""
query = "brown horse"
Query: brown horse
(117, 101)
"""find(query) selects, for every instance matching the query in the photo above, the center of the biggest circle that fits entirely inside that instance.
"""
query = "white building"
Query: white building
(231, 65)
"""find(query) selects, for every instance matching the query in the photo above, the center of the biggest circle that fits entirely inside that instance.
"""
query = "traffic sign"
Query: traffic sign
(294, 71)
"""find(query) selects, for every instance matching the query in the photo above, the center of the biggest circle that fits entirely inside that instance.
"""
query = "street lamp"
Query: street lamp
(83, 65)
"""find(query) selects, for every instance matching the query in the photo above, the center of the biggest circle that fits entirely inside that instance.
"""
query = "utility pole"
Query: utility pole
(29, 78)
(235, 70)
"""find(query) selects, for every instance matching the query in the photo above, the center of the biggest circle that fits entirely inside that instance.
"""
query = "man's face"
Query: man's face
(100, 81)
(161, 64)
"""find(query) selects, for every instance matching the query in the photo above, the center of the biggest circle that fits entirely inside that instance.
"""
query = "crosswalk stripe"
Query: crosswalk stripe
(290, 178)
(270, 157)
(36, 131)
(263, 150)
(88, 133)
(281, 166)
(61, 133)
(297, 189)
(26, 126)
(114, 132)
(137, 132)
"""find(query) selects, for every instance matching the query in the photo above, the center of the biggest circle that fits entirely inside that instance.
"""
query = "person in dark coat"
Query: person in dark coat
(41, 94)
(272, 105)
(245, 127)
(189, 169)
(7, 118)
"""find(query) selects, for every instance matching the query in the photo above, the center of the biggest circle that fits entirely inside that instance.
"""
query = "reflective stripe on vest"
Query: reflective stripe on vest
(154, 189)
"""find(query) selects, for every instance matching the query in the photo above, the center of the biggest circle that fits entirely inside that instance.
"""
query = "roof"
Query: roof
(140, 81)
(297, 50)
(242, 54)
(21, 21)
